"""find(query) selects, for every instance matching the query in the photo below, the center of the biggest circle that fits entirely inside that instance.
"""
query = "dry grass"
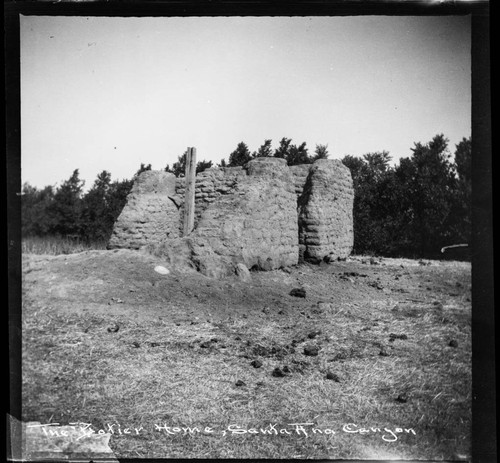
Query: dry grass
(75, 370)
(56, 245)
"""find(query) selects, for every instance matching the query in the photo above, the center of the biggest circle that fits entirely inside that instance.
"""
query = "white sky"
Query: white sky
(110, 93)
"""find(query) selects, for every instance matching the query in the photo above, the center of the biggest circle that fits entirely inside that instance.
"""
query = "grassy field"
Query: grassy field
(56, 245)
(374, 363)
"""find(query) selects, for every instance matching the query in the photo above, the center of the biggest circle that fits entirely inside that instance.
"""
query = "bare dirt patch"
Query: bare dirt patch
(376, 343)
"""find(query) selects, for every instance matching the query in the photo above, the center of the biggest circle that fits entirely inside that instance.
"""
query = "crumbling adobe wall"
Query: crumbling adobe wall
(325, 210)
(255, 223)
(299, 175)
(258, 216)
(210, 185)
(149, 217)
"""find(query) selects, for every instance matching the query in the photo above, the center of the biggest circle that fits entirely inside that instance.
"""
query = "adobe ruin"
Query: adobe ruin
(264, 215)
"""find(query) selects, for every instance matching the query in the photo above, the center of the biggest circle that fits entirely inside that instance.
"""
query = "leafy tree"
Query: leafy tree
(378, 163)
(298, 155)
(293, 154)
(374, 202)
(117, 196)
(463, 160)
(223, 163)
(321, 152)
(461, 223)
(355, 164)
(66, 208)
(203, 165)
(35, 219)
(179, 167)
(283, 149)
(68, 211)
(240, 156)
(264, 150)
(96, 217)
(429, 182)
(414, 208)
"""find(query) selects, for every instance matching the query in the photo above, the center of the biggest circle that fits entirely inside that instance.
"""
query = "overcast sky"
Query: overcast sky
(111, 93)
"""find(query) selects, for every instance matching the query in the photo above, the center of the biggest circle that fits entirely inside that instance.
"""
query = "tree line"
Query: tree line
(293, 154)
(412, 208)
(416, 207)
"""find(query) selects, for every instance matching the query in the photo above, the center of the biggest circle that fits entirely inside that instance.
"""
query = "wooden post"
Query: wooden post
(190, 176)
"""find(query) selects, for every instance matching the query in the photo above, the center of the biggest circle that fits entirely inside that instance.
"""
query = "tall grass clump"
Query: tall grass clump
(56, 245)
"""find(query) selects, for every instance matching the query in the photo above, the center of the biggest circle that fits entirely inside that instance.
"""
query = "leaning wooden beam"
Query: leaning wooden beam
(190, 176)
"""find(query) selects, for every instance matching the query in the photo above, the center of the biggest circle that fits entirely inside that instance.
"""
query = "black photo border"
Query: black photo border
(483, 434)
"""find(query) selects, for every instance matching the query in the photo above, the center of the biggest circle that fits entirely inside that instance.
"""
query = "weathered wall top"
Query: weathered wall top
(266, 215)
(154, 182)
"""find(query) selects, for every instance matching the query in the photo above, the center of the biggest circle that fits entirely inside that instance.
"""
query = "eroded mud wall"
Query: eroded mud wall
(255, 223)
(325, 210)
(260, 215)
(149, 216)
